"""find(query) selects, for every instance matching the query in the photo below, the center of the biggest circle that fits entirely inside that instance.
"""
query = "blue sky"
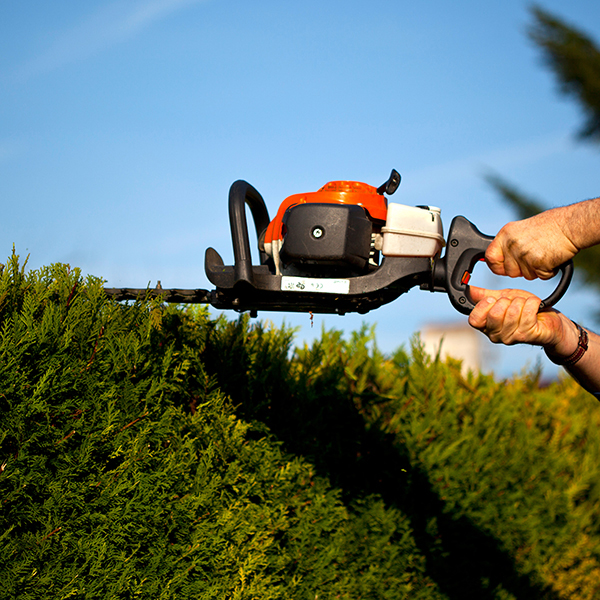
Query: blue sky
(124, 124)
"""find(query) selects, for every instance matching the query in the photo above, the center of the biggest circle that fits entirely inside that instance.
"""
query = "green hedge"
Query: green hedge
(156, 452)
(125, 472)
(500, 479)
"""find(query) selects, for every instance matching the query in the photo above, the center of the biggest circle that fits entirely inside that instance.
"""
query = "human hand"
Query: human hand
(512, 317)
(533, 247)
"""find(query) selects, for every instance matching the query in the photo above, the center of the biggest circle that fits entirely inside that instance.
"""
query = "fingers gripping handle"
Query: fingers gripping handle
(467, 245)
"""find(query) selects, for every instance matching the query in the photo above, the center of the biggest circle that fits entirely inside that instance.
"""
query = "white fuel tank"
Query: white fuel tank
(412, 231)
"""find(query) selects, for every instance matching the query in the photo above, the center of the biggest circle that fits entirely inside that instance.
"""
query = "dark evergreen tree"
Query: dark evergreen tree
(574, 58)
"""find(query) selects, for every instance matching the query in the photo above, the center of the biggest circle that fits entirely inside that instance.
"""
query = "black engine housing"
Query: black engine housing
(321, 236)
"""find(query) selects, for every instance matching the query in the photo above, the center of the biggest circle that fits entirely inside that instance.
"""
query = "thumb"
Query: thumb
(494, 252)
(494, 257)
(477, 294)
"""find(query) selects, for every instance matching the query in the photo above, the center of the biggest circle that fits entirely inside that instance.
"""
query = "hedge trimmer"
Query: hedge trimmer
(341, 249)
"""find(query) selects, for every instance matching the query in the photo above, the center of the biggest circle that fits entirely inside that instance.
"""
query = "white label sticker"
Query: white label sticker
(310, 284)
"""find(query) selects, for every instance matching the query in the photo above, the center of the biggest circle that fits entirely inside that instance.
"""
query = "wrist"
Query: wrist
(571, 348)
(565, 340)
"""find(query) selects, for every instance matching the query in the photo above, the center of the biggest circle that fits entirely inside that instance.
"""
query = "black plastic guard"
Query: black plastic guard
(297, 293)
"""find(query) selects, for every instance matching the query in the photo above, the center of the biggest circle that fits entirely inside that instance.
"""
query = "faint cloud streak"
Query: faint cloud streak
(501, 159)
(111, 25)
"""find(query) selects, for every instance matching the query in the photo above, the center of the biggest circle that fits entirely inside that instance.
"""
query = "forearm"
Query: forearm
(587, 371)
(581, 222)
(535, 247)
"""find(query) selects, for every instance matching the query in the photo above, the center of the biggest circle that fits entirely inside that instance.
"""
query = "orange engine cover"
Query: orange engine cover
(334, 192)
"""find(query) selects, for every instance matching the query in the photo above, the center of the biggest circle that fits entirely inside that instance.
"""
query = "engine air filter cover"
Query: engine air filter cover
(327, 235)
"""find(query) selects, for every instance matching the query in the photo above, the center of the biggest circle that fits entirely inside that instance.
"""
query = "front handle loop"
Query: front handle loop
(466, 246)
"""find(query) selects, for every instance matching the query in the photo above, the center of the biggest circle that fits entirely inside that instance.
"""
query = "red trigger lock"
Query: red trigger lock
(467, 276)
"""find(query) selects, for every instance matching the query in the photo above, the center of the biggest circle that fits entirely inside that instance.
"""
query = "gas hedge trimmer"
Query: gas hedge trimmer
(342, 249)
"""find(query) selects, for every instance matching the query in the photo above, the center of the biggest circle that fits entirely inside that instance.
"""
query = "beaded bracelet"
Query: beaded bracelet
(582, 346)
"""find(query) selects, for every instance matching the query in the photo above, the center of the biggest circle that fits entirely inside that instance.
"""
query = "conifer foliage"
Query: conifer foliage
(575, 59)
(126, 474)
(499, 479)
(155, 452)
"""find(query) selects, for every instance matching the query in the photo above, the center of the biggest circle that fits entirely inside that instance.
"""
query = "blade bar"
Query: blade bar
(176, 296)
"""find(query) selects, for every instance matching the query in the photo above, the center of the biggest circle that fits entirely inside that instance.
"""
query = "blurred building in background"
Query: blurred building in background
(458, 340)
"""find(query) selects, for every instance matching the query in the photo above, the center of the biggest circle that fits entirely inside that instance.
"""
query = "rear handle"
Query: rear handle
(466, 246)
